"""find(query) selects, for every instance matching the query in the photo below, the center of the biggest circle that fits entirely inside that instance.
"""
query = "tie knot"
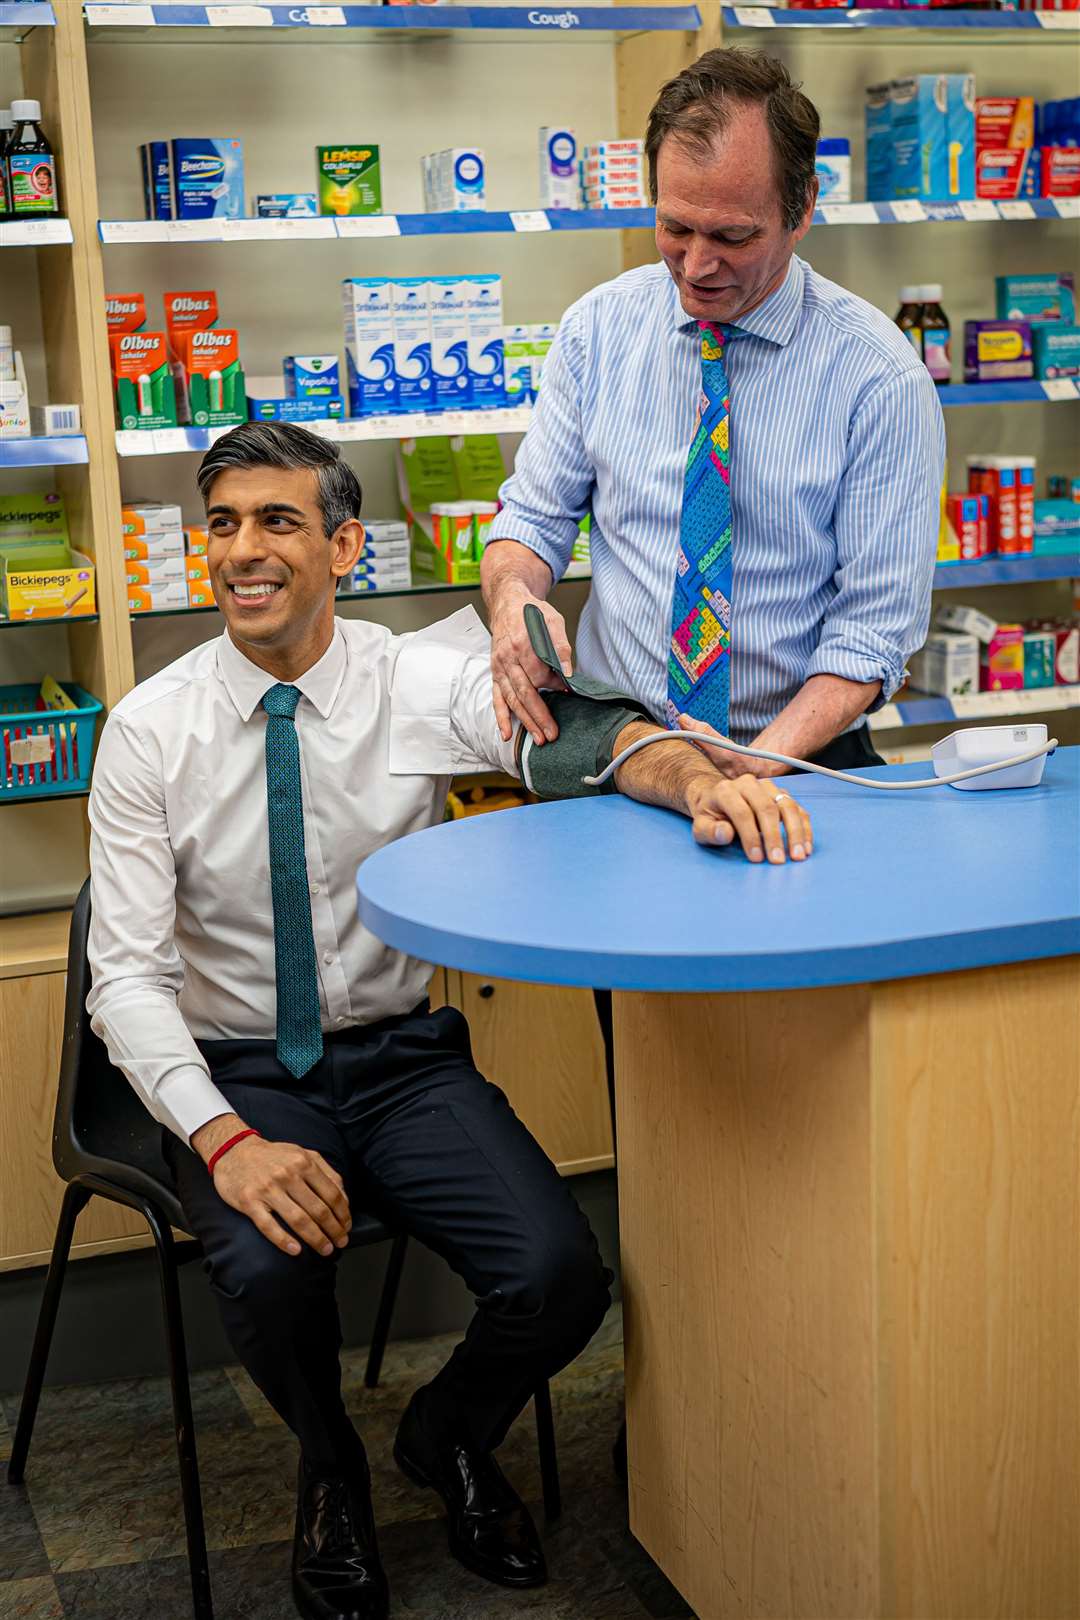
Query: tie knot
(281, 700)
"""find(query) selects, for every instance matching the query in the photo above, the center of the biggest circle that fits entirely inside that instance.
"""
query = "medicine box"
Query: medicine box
(1005, 121)
(207, 177)
(48, 593)
(196, 541)
(948, 665)
(487, 384)
(157, 179)
(559, 184)
(997, 351)
(143, 386)
(879, 142)
(453, 180)
(1001, 661)
(215, 382)
(1039, 657)
(369, 345)
(286, 205)
(311, 376)
(1037, 298)
(960, 135)
(1060, 171)
(1057, 351)
(1007, 174)
(284, 408)
(156, 571)
(920, 160)
(411, 310)
(449, 312)
(33, 518)
(833, 169)
(517, 362)
(969, 620)
(348, 179)
(125, 312)
(158, 598)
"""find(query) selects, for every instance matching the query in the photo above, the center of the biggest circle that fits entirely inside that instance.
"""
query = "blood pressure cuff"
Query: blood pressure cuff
(589, 716)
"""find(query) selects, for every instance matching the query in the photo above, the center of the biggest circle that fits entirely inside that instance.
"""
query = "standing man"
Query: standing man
(761, 451)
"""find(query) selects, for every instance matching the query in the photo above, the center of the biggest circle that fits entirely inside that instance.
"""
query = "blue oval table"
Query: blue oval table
(849, 1172)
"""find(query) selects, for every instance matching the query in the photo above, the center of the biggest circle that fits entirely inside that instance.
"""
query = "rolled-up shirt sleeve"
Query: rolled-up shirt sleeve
(887, 515)
(550, 489)
(137, 971)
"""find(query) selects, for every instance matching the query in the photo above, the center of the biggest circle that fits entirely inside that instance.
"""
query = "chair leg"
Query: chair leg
(545, 1444)
(387, 1301)
(202, 1602)
(75, 1200)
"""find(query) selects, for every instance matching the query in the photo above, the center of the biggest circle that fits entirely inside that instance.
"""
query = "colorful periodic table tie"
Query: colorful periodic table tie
(699, 675)
(299, 1025)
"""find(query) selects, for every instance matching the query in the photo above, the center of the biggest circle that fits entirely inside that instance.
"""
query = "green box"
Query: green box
(32, 519)
(348, 180)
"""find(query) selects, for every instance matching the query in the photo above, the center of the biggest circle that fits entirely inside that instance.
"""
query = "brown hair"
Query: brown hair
(696, 105)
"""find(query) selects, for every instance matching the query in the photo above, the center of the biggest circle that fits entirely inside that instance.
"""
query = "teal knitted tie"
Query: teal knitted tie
(299, 1026)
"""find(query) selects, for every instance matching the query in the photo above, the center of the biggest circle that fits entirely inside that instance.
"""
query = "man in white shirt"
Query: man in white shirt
(290, 1056)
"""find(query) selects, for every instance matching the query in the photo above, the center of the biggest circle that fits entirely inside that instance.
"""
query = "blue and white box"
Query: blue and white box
(454, 180)
(449, 305)
(369, 345)
(960, 135)
(156, 179)
(409, 301)
(518, 364)
(311, 376)
(208, 178)
(920, 155)
(287, 205)
(560, 186)
(487, 382)
(832, 166)
(879, 143)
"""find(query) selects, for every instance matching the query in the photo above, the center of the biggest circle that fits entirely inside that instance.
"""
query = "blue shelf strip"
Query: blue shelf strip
(915, 17)
(1005, 571)
(551, 21)
(1005, 393)
(480, 223)
(26, 14)
(67, 450)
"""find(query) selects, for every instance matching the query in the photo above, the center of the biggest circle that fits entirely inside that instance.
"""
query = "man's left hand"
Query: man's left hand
(727, 763)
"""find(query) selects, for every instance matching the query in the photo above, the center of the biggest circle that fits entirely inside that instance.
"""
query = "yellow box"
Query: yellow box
(51, 593)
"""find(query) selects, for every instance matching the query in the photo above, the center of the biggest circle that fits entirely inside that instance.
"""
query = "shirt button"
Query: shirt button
(339, 1020)
(314, 888)
(328, 957)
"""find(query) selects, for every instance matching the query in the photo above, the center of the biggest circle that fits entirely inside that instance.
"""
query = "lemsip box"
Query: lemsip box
(207, 178)
(369, 345)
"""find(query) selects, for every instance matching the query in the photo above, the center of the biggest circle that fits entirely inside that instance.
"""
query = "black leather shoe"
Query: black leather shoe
(336, 1573)
(490, 1530)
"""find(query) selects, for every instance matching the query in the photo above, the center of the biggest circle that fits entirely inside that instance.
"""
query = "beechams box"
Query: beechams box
(207, 177)
(157, 179)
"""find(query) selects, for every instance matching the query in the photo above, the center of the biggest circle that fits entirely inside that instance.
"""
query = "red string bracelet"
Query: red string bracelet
(225, 1146)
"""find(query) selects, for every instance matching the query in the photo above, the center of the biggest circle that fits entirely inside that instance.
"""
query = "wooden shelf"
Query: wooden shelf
(37, 943)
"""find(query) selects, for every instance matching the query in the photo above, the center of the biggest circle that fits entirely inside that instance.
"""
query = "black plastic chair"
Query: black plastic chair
(106, 1144)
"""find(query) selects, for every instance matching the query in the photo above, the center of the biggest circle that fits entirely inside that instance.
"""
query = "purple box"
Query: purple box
(998, 351)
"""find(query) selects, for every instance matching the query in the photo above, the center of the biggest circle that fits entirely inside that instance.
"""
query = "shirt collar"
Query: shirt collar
(247, 684)
(774, 320)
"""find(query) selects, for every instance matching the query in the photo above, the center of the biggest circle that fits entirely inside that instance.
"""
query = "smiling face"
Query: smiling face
(719, 222)
(272, 568)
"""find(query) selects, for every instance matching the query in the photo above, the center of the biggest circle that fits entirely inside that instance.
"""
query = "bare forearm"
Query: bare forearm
(824, 707)
(508, 565)
(667, 774)
(209, 1137)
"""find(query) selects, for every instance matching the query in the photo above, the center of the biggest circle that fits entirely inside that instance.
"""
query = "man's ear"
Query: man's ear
(345, 547)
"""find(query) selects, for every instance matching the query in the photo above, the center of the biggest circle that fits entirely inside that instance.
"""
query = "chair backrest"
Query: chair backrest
(100, 1126)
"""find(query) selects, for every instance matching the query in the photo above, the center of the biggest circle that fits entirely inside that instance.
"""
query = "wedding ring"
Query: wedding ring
(780, 797)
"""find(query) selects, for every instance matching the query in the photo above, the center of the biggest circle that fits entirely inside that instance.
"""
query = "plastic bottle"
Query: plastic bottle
(6, 124)
(936, 334)
(909, 317)
(31, 166)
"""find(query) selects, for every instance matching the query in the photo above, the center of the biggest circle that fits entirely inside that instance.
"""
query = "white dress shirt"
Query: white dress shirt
(182, 931)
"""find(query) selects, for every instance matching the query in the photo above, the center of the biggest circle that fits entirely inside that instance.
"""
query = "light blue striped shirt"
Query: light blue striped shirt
(837, 457)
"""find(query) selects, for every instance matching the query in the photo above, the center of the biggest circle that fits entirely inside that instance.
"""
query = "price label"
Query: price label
(133, 443)
(849, 213)
(246, 230)
(1016, 210)
(368, 225)
(1059, 388)
(326, 428)
(215, 433)
(169, 441)
(307, 230)
(240, 16)
(909, 211)
(120, 16)
(324, 16)
(1067, 207)
(754, 17)
(37, 232)
(133, 230)
(531, 220)
(1064, 21)
(976, 208)
(193, 230)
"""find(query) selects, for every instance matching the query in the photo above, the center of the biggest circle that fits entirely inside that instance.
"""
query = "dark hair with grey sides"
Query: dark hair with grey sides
(283, 444)
(697, 104)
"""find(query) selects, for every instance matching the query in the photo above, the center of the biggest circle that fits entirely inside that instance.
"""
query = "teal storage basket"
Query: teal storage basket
(45, 750)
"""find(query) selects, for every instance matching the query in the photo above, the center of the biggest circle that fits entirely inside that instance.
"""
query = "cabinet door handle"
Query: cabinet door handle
(486, 991)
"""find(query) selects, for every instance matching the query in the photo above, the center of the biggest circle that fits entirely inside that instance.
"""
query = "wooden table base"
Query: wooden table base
(851, 1260)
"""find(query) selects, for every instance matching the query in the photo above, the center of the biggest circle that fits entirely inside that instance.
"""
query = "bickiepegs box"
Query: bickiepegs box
(998, 351)
(1057, 351)
(311, 376)
(369, 345)
(142, 381)
(348, 180)
(287, 205)
(448, 303)
(157, 179)
(207, 178)
(1037, 298)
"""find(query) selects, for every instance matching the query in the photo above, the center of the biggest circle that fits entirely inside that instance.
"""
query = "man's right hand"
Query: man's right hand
(284, 1189)
(516, 669)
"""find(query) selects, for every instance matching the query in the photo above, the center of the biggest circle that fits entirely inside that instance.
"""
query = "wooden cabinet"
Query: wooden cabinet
(541, 1044)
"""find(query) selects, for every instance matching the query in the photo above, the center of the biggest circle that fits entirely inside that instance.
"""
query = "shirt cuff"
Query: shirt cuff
(555, 554)
(854, 653)
(186, 1100)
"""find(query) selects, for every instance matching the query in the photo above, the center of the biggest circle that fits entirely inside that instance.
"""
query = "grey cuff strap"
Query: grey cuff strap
(585, 746)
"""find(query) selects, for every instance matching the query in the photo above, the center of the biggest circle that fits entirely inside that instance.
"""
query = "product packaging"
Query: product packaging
(30, 590)
(369, 345)
(143, 385)
(1060, 170)
(205, 361)
(168, 597)
(1037, 299)
(439, 487)
(920, 156)
(411, 308)
(960, 142)
(348, 180)
(453, 180)
(1005, 121)
(1039, 650)
(1057, 351)
(1001, 662)
(517, 360)
(157, 179)
(286, 205)
(997, 351)
(487, 386)
(879, 142)
(559, 187)
(311, 376)
(541, 337)
(968, 620)
(449, 309)
(207, 177)
(152, 530)
(268, 403)
(55, 421)
(948, 665)
(833, 169)
(959, 539)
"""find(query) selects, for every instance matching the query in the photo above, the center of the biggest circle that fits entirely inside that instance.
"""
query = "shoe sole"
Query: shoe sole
(418, 1477)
